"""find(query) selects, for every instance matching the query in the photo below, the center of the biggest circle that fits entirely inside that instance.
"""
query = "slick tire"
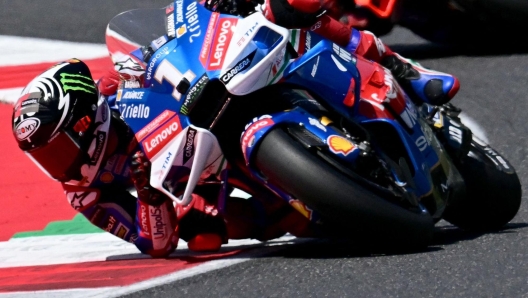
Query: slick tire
(346, 205)
(493, 194)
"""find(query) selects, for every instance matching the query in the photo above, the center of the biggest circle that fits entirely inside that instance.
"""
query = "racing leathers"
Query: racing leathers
(150, 220)
(421, 84)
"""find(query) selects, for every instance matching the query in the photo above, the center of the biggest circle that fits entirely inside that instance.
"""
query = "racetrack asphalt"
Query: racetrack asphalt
(494, 88)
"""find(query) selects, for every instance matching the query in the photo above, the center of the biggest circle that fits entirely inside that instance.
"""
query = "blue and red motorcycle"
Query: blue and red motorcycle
(241, 102)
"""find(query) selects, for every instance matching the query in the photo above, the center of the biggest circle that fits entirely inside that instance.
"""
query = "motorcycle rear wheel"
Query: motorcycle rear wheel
(493, 196)
(347, 205)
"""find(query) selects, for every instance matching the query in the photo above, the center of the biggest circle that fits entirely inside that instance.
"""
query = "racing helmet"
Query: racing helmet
(62, 123)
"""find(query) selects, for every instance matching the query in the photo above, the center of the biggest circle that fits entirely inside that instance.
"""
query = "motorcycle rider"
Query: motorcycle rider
(71, 129)
(421, 84)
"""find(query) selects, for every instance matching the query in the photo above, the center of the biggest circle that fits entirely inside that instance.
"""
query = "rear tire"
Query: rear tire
(352, 210)
(493, 194)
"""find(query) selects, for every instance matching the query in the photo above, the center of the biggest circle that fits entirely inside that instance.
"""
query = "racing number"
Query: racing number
(170, 73)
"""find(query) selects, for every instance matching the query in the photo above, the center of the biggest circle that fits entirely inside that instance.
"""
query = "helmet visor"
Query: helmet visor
(61, 158)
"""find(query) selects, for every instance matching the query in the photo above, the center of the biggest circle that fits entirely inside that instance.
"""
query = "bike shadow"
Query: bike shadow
(443, 236)
(306, 248)
(448, 235)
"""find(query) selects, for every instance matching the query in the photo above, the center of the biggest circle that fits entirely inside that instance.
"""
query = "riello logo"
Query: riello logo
(222, 38)
(161, 137)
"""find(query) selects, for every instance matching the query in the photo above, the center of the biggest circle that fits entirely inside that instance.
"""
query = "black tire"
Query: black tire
(493, 194)
(353, 211)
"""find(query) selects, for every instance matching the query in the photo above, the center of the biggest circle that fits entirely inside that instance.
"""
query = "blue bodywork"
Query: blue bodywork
(316, 71)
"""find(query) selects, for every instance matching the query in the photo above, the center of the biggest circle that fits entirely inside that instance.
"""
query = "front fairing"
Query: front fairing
(183, 48)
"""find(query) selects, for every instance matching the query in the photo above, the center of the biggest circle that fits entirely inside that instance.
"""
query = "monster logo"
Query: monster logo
(76, 82)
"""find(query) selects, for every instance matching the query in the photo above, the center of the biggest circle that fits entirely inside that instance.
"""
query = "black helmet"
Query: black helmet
(62, 124)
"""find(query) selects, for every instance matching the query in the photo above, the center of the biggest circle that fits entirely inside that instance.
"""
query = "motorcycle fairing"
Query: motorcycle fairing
(345, 83)
(338, 145)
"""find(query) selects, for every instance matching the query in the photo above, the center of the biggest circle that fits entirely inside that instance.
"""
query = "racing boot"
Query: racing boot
(201, 225)
(428, 86)
(421, 84)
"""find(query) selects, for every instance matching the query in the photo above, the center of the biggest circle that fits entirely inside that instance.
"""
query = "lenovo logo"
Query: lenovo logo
(222, 39)
(161, 137)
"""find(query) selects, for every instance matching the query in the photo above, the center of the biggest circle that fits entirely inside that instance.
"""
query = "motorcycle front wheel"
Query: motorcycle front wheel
(493, 191)
(348, 205)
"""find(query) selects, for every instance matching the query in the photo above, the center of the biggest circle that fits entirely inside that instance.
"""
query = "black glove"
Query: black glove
(140, 173)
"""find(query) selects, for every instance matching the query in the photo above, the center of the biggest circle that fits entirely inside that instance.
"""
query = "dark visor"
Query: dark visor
(61, 158)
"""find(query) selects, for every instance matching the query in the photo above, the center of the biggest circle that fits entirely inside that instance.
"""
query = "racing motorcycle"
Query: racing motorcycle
(451, 22)
(240, 102)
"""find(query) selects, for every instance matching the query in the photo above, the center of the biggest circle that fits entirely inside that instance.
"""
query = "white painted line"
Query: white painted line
(10, 95)
(261, 249)
(27, 50)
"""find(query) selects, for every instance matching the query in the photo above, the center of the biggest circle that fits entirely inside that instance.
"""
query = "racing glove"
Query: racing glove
(140, 173)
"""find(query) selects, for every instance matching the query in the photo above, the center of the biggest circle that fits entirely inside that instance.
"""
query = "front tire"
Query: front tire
(493, 192)
(351, 209)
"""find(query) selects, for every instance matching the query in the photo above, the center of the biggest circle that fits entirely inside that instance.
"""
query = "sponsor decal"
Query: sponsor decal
(246, 34)
(77, 82)
(110, 223)
(342, 53)
(179, 11)
(153, 61)
(134, 111)
(119, 95)
(340, 145)
(409, 115)
(132, 84)
(316, 26)
(314, 68)
(240, 67)
(26, 128)
(308, 42)
(29, 106)
(279, 58)
(204, 52)
(100, 138)
(159, 42)
(193, 93)
(161, 137)
(129, 64)
(79, 200)
(161, 118)
(317, 124)
(97, 216)
(248, 137)
(302, 208)
(165, 165)
(157, 222)
(121, 231)
(241, 41)
(106, 177)
(133, 94)
(181, 31)
(188, 150)
(222, 38)
(191, 16)
(170, 25)
(144, 219)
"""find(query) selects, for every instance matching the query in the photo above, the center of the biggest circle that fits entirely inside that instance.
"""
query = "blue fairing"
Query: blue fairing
(318, 71)
(329, 72)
